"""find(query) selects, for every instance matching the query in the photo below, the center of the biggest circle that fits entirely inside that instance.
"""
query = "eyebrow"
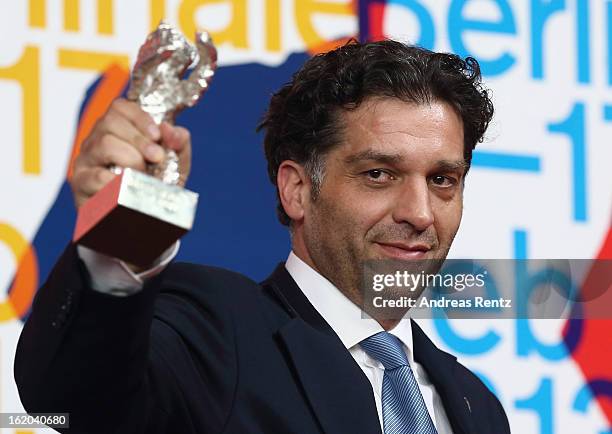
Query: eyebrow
(386, 158)
(452, 165)
(371, 155)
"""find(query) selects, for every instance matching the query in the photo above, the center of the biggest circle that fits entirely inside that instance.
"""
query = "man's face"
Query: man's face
(393, 189)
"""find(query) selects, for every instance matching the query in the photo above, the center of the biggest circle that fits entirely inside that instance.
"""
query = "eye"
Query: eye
(379, 176)
(443, 181)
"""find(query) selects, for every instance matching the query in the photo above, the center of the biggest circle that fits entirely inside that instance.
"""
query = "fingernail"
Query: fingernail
(153, 131)
(154, 152)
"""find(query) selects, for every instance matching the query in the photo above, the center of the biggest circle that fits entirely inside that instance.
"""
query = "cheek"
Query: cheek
(344, 217)
(362, 214)
(349, 211)
(447, 217)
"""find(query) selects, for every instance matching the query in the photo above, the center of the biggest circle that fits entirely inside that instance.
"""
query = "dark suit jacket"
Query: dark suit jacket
(204, 350)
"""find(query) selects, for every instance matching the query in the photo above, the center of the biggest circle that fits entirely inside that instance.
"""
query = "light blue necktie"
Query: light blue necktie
(403, 408)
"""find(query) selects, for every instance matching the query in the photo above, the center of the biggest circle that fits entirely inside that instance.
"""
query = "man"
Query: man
(368, 147)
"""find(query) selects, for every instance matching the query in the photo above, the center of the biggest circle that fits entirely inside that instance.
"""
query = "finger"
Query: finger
(122, 128)
(88, 181)
(174, 137)
(139, 118)
(111, 150)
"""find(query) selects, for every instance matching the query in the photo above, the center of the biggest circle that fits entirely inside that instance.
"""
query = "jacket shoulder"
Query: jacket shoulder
(191, 295)
(194, 336)
(206, 279)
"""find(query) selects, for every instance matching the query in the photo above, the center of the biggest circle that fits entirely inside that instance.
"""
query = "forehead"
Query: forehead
(431, 130)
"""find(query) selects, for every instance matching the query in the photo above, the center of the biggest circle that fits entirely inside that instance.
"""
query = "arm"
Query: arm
(87, 352)
(159, 361)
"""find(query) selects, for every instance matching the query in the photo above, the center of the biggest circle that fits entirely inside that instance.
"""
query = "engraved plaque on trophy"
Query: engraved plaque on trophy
(137, 216)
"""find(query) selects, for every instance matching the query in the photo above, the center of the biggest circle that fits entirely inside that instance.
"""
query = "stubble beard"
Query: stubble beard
(339, 259)
(335, 256)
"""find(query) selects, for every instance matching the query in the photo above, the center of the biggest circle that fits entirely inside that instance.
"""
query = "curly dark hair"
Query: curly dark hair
(303, 120)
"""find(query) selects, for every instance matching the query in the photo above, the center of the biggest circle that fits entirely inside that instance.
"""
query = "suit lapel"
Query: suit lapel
(440, 367)
(339, 393)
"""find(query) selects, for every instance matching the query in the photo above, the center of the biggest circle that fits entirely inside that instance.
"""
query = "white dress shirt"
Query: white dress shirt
(353, 326)
(112, 276)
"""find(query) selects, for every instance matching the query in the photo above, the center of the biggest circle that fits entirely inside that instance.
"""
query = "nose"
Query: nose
(413, 205)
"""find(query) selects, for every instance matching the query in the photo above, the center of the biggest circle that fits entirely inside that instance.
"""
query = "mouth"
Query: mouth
(403, 250)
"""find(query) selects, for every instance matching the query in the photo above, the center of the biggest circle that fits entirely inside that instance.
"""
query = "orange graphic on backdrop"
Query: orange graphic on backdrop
(25, 281)
(26, 278)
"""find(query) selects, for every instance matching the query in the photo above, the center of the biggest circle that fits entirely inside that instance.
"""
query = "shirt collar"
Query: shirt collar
(350, 323)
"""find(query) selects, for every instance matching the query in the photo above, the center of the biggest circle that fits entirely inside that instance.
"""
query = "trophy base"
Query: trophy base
(135, 218)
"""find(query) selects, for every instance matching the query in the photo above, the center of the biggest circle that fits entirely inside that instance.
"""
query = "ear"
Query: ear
(293, 188)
